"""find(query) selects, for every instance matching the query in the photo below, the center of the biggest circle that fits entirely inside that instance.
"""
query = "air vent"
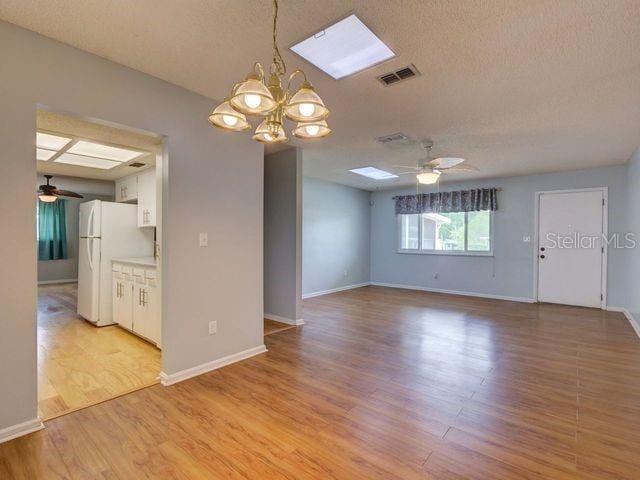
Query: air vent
(404, 73)
(394, 137)
(137, 164)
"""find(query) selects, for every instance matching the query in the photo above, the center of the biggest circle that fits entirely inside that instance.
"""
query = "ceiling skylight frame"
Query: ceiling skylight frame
(335, 22)
(373, 173)
(74, 140)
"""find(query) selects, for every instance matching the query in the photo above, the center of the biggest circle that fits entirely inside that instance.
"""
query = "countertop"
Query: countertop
(143, 261)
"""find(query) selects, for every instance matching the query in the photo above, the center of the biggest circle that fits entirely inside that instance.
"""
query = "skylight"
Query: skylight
(344, 48)
(50, 142)
(91, 149)
(373, 172)
(83, 161)
(44, 155)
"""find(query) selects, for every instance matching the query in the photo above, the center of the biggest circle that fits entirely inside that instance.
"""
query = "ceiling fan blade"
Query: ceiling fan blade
(414, 167)
(460, 169)
(447, 162)
(66, 193)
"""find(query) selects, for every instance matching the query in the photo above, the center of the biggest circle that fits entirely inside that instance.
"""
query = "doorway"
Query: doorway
(93, 240)
(571, 250)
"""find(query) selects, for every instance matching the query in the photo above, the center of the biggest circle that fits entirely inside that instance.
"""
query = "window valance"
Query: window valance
(459, 201)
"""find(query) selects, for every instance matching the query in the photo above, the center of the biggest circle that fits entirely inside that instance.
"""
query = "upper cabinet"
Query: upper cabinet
(141, 189)
(147, 198)
(127, 189)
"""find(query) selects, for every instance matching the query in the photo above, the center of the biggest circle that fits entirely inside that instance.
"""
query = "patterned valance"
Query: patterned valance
(447, 202)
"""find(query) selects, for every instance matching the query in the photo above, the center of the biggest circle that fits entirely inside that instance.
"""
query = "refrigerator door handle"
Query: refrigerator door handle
(90, 222)
(89, 253)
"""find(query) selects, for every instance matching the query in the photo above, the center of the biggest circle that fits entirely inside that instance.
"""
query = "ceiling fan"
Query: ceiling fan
(428, 171)
(49, 193)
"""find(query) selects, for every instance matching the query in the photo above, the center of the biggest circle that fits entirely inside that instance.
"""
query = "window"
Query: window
(446, 233)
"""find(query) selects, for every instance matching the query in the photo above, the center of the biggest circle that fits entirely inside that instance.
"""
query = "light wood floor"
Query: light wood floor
(81, 365)
(379, 384)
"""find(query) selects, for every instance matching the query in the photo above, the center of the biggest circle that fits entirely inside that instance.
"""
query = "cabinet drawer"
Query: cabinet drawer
(150, 274)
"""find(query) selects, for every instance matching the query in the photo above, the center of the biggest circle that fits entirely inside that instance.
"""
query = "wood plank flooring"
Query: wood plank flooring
(271, 327)
(379, 384)
(81, 365)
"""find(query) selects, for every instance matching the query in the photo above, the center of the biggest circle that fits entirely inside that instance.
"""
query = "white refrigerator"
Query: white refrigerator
(107, 230)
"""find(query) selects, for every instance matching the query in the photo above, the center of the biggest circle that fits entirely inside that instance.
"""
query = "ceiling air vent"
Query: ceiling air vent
(137, 164)
(394, 137)
(404, 73)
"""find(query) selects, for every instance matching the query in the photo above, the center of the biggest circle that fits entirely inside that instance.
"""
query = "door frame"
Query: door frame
(605, 232)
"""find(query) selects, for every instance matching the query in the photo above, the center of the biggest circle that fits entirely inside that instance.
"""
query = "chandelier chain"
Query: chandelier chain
(277, 57)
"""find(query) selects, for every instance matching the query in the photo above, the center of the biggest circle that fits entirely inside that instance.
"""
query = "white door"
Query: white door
(570, 248)
(89, 279)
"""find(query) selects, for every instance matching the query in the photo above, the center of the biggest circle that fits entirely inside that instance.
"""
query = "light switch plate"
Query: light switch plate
(213, 327)
(204, 240)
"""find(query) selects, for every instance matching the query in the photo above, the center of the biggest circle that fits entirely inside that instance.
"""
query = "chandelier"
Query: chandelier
(256, 96)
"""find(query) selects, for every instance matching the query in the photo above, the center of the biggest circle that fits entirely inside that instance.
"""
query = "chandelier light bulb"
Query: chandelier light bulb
(306, 109)
(312, 130)
(252, 101)
(230, 120)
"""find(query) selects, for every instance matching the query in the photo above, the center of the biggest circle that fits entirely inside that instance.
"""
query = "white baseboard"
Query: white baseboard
(634, 323)
(170, 379)
(53, 282)
(288, 321)
(20, 429)
(455, 292)
(334, 290)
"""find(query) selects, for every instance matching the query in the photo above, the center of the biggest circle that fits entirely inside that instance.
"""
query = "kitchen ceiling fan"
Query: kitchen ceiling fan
(49, 193)
(428, 170)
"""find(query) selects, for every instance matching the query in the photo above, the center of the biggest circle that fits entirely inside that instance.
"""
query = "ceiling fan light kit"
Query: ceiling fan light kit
(256, 96)
(428, 178)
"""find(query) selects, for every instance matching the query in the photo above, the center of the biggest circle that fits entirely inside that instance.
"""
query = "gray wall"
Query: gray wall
(213, 184)
(282, 233)
(67, 269)
(632, 261)
(510, 272)
(336, 231)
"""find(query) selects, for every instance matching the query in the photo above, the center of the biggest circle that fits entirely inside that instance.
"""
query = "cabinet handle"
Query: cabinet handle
(118, 290)
(140, 297)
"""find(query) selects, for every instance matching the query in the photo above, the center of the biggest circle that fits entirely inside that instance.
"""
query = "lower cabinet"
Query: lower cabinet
(136, 301)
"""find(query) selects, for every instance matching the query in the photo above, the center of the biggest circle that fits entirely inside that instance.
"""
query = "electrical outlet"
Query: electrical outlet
(435, 275)
(213, 327)
(204, 240)
(345, 273)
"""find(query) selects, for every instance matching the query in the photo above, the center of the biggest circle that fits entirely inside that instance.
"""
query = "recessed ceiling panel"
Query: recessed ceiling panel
(44, 155)
(344, 48)
(84, 161)
(99, 150)
(50, 142)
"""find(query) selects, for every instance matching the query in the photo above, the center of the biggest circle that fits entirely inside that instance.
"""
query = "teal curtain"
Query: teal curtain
(52, 230)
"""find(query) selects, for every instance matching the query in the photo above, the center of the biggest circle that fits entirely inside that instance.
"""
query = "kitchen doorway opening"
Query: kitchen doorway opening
(98, 213)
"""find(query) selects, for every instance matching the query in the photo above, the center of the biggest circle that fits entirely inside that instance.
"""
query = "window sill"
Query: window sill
(446, 253)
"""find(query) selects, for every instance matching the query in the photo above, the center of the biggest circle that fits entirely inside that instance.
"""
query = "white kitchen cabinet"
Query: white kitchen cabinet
(147, 198)
(127, 189)
(123, 300)
(136, 300)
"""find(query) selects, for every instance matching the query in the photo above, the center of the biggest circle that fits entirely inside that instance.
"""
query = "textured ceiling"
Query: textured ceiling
(514, 86)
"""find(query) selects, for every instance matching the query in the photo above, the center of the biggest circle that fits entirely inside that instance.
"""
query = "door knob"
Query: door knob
(542, 249)
(541, 256)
